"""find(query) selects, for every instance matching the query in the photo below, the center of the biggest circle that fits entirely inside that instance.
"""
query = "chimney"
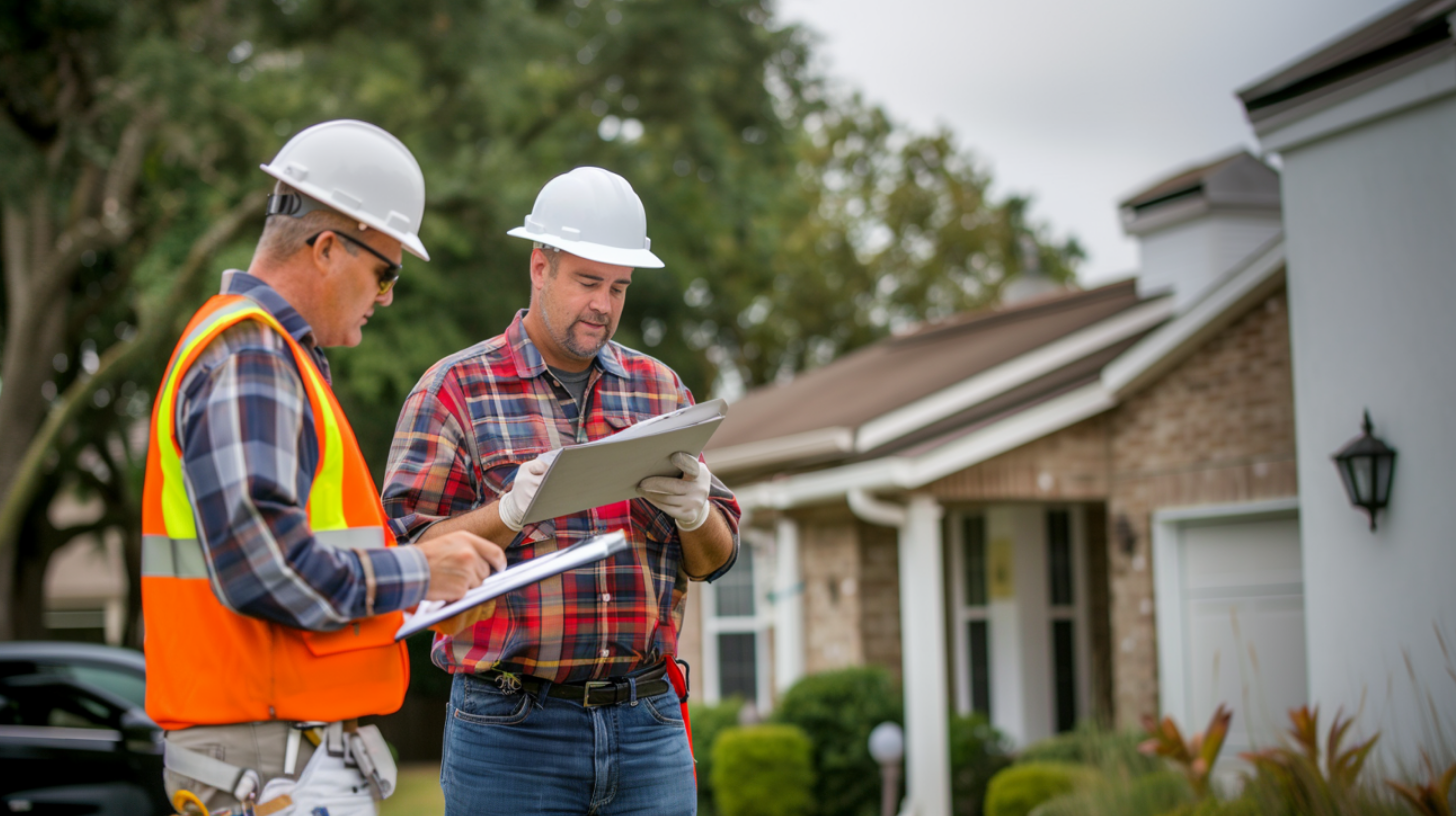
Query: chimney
(1197, 225)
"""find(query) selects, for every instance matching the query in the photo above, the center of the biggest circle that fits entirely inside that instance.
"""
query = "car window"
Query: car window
(36, 701)
(125, 684)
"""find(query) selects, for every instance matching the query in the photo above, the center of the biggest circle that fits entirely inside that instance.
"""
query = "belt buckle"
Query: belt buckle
(586, 689)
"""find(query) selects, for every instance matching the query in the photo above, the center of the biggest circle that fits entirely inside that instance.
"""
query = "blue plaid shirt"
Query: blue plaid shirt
(249, 452)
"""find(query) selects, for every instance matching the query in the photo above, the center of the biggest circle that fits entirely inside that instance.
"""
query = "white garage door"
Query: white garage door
(1241, 604)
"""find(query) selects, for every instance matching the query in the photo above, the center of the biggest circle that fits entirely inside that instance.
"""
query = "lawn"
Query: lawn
(418, 793)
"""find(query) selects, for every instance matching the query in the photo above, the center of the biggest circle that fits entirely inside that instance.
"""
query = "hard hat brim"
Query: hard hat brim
(616, 256)
(408, 240)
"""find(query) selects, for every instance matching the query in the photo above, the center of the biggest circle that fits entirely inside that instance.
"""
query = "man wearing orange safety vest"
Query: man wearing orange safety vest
(271, 585)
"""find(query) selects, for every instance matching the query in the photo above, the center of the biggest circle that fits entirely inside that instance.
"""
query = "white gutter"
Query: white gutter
(908, 473)
(1015, 372)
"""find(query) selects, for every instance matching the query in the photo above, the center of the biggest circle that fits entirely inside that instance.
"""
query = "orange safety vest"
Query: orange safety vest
(208, 665)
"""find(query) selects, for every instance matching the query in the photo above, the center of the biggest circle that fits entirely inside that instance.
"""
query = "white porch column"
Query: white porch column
(788, 607)
(922, 636)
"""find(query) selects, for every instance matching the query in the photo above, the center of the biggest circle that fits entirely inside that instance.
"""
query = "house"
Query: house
(1010, 507)
(1366, 131)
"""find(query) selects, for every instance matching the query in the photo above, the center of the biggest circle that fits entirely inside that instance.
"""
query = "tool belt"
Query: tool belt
(345, 751)
(589, 693)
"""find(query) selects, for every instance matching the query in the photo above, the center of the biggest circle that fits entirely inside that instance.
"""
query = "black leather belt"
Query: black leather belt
(590, 693)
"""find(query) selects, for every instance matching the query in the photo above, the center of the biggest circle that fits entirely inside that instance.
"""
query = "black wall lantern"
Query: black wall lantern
(1367, 466)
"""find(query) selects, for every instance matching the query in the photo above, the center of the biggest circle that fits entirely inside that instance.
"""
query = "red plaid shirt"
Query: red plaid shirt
(470, 422)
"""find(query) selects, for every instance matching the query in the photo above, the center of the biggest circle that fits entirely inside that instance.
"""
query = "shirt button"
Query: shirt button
(606, 596)
(606, 653)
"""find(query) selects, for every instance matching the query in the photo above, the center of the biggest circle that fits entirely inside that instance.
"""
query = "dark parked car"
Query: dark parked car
(74, 738)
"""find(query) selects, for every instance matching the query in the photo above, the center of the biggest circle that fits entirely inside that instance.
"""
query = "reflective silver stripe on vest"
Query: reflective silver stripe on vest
(352, 538)
(164, 557)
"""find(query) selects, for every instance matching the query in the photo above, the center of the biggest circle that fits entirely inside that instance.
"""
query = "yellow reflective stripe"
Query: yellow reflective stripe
(164, 557)
(326, 499)
(176, 508)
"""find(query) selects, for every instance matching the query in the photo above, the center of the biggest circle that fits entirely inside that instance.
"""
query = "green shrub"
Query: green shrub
(1020, 788)
(838, 709)
(709, 722)
(977, 753)
(763, 770)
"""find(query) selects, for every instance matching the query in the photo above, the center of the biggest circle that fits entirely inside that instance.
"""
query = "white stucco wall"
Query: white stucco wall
(1370, 215)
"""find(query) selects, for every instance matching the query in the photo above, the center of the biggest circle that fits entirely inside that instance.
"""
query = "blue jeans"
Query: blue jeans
(518, 754)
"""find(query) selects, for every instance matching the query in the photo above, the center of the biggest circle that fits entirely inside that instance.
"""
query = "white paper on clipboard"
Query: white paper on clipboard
(429, 613)
(608, 470)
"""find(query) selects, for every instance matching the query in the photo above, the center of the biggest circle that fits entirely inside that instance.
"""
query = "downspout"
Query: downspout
(870, 509)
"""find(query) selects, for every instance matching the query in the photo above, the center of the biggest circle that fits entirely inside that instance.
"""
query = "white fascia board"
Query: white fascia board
(766, 452)
(1146, 360)
(1013, 373)
(909, 473)
(1422, 82)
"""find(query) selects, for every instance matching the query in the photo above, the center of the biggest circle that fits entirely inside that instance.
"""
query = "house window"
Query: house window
(1062, 613)
(975, 615)
(735, 623)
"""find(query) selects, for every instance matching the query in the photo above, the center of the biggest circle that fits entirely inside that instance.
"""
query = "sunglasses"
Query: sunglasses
(387, 277)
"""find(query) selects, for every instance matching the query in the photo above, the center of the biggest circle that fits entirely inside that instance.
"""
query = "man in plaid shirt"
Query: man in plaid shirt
(559, 702)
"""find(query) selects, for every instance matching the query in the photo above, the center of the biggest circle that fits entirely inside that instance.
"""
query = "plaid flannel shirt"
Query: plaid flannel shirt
(249, 452)
(470, 422)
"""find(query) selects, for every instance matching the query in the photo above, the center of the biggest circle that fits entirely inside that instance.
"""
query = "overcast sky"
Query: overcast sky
(1077, 103)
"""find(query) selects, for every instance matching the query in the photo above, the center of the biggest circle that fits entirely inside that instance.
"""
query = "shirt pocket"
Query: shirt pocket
(498, 472)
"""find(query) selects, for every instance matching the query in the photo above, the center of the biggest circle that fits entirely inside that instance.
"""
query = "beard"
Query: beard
(567, 339)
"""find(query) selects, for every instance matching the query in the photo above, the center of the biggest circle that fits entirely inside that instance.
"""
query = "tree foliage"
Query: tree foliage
(796, 224)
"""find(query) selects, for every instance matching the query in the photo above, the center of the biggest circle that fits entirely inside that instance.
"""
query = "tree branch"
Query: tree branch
(117, 358)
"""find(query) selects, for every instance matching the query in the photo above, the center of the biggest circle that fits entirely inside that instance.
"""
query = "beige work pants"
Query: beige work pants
(259, 746)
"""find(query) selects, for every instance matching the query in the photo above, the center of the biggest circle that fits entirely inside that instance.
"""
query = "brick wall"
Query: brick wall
(1069, 465)
(830, 565)
(1217, 428)
(879, 593)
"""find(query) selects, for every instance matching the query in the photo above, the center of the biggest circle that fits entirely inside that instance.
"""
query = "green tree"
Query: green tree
(795, 225)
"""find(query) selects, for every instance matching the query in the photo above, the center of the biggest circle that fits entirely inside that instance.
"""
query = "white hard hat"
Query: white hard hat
(359, 170)
(594, 214)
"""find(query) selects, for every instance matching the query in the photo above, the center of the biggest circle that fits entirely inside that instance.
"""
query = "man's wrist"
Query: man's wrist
(401, 576)
(704, 513)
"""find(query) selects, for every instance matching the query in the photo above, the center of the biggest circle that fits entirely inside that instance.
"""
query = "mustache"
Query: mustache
(595, 317)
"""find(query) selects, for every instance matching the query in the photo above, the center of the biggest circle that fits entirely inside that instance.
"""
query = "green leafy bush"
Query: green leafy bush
(709, 722)
(838, 709)
(1020, 788)
(763, 770)
(977, 753)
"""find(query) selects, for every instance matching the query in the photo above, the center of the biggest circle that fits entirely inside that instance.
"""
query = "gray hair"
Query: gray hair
(553, 254)
(284, 235)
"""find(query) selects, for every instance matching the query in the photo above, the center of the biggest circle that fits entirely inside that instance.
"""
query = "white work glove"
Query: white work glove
(514, 502)
(686, 498)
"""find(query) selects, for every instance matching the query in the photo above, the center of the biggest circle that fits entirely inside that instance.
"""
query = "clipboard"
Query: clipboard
(609, 469)
(590, 551)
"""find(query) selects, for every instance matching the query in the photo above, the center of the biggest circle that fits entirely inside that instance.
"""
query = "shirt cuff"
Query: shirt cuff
(401, 577)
